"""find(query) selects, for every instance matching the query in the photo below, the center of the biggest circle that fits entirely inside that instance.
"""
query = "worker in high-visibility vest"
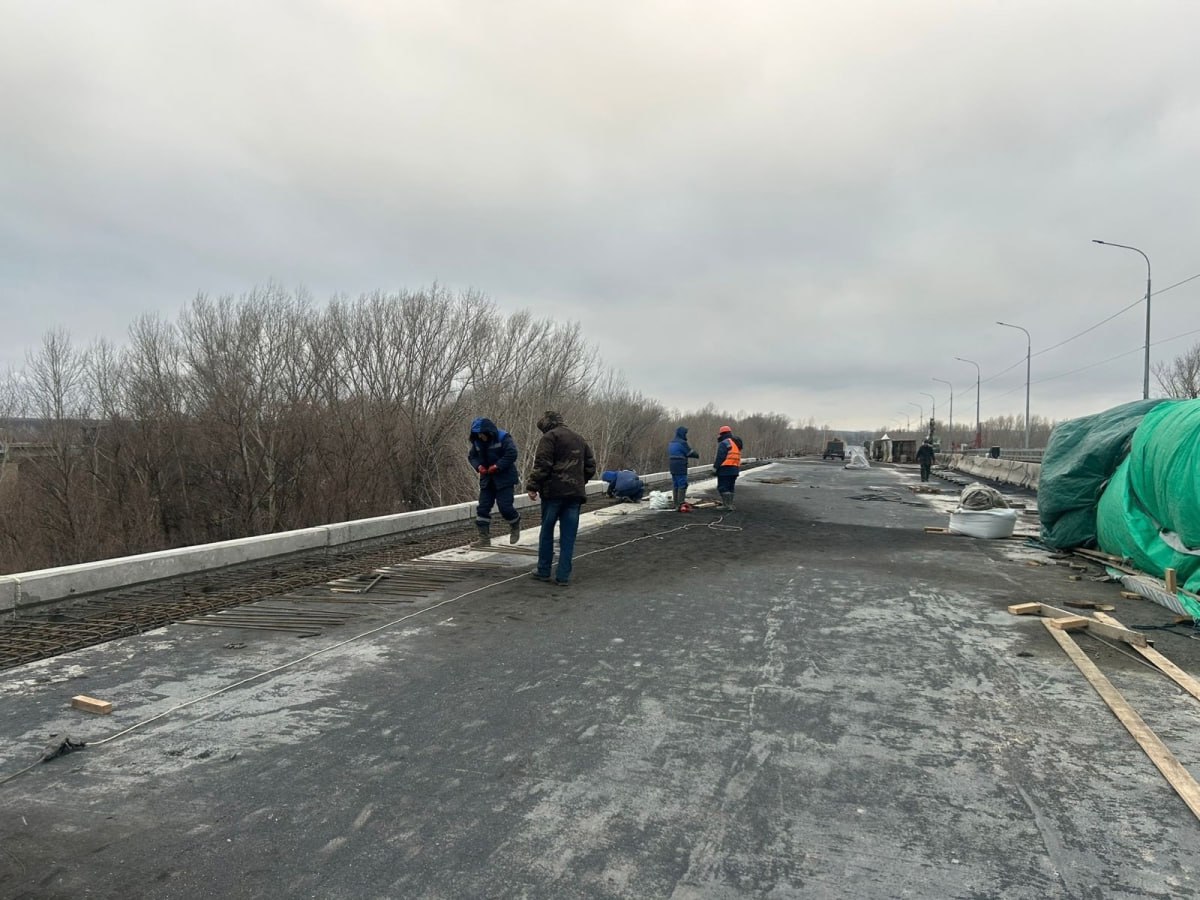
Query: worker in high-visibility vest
(727, 464)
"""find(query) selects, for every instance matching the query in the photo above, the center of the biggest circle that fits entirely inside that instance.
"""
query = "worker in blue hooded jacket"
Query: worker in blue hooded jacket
(624, 484)
(678, 454)
(494, 457)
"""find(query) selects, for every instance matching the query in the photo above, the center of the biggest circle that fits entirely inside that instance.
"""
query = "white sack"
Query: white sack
(983, 523)
(858, 459)
(662, 500)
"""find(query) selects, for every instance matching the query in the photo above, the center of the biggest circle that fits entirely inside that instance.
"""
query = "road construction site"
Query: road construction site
(820, 694)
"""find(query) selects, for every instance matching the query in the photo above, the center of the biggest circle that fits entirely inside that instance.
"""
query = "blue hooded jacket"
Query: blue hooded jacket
(500, 450)
(679, 451)
(624, 483)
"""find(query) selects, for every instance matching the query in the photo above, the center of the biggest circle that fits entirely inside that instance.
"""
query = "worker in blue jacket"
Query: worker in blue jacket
(678, 454)
(494, 457)
(624, 484)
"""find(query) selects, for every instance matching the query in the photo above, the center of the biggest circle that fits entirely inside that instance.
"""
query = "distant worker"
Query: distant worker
(925, 458)
(624, 484)
(563, 464)
(494, 457)
(678, 454)
(727, 463)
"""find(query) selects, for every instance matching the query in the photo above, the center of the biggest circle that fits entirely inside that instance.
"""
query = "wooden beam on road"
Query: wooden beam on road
(1172, 769)
(1164, 665)
(1103, 629)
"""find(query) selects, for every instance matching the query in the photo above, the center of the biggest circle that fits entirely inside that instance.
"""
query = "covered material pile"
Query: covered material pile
(1080, 458)
(1128, 481)
(982, 513)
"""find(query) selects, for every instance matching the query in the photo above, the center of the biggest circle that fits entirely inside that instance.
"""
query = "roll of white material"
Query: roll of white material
(983, 523)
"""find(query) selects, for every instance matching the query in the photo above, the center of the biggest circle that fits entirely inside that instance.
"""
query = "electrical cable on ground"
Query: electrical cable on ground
(715, 525)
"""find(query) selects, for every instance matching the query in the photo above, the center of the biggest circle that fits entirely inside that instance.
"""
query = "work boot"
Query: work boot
(677, 494)
(485, 534)
(514, 531)
(727, 500)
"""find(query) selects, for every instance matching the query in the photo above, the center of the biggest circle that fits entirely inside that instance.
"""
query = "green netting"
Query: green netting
(1156, 490)
(1080, 457)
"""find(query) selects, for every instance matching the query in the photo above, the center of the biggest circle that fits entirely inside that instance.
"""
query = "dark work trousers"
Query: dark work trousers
(566, 514)
(490, 495)
(726, 476)
(926, 468)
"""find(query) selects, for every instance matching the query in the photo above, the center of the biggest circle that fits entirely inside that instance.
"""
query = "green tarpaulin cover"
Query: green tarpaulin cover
(1150, 511)
(1081, 456)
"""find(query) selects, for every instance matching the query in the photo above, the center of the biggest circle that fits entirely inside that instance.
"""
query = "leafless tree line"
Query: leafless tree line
(1180, 378)
(269, 412)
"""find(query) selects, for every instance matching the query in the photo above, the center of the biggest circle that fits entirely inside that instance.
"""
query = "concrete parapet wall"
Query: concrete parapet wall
(1006, 471)
(31, 589)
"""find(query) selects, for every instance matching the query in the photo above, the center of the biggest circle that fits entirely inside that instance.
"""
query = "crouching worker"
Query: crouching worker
(624, 485)
(494, 456)
(727, 464)
(678, 454)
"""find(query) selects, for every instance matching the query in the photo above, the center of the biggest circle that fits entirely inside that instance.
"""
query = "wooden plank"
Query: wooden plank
(1136, 638)
(1130, 595)
(1069, 623)
(91, 704)
(1168, 668)
(1088, 604)
(1177, 776)
(1026, 609)
(930, 529)
(1171, 581)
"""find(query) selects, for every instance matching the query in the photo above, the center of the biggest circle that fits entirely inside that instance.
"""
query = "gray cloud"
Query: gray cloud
(806, 208)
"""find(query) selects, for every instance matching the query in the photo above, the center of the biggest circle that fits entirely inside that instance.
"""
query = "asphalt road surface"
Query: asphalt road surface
(807, 697)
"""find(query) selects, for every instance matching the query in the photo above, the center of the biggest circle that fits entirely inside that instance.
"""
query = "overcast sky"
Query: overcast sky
(801, 207)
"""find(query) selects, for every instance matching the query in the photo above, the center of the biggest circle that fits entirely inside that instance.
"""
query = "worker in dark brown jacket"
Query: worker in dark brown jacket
(563, 464)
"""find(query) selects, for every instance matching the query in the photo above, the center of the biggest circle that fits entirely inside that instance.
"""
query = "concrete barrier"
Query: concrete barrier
(1006, 471)
(51, 585)
(31, 589)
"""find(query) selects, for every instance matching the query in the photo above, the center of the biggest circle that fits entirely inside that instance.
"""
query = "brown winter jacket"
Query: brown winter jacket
(563, 464)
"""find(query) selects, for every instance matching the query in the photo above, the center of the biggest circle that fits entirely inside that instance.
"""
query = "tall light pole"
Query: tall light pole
(921, 408)
(950, 426)
(1028, 357)
(932, 412)
(1146, 364)
(978, 433)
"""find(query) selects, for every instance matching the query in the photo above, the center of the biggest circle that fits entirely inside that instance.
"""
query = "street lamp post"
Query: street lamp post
(978, 433)
(932, 412)
(1146, 364)
(950, 426)
(1028, 357)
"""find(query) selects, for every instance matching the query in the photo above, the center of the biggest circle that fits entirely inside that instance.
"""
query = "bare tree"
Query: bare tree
(57, 392)
(1181, 377)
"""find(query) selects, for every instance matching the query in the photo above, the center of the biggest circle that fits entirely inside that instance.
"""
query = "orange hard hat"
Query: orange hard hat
(724, 429)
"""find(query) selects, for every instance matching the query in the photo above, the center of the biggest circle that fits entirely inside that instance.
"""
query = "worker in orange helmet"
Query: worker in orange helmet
(727, 464)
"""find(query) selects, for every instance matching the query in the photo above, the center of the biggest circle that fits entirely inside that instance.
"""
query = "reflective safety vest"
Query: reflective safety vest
(733, 456)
